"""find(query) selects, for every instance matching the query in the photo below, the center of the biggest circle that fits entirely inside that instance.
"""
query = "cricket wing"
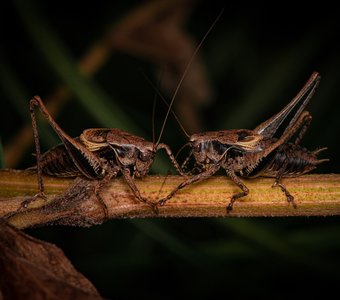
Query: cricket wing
(242, 139)
(87, 163)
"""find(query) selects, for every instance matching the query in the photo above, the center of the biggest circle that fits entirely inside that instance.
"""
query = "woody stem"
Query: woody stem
(73, 202)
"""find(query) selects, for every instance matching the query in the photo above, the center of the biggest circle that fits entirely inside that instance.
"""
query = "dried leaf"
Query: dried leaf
(34, 269)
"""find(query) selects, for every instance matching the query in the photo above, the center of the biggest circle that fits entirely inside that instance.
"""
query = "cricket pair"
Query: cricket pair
(102, 154)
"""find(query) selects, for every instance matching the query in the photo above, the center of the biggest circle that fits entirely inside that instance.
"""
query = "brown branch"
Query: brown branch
(72, 202)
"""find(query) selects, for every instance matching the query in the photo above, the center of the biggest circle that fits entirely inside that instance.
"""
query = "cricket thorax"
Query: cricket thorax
(96, 138)
(208, 153)
(120, 149)
(219, 146)
(244, 139)
(137, 160)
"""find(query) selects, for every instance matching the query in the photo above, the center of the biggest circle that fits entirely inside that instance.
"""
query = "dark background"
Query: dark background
(254, 61)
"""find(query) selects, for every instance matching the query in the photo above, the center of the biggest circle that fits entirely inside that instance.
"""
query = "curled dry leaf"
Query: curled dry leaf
(34, 269)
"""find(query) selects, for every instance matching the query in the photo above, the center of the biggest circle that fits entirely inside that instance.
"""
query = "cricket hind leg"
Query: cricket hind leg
(278, 183)
(290, 198)
(304, 127)
(34, 102)
(88, 165)
(240, 184)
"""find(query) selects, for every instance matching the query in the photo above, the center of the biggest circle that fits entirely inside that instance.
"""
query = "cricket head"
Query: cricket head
(144, 159)
(215, 146)
(136, 157)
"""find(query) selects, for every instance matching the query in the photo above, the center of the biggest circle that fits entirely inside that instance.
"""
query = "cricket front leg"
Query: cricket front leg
(197, 178)
(186, 161)
(240, 184)
(131, 183)
(171, 157)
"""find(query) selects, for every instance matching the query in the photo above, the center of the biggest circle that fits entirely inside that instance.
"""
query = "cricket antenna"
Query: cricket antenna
(186, 71)
(158, 92)
(153, 109)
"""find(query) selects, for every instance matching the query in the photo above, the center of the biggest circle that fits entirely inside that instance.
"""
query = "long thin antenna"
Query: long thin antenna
(153, 118)
(186, 71)
(158, 92)
(154, 107)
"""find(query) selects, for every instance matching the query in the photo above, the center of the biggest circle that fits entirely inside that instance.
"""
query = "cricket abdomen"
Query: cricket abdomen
(288, 160)
(58, 162)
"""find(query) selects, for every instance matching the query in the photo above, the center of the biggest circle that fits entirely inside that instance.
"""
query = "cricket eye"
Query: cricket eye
(144, 156)
(198, 147)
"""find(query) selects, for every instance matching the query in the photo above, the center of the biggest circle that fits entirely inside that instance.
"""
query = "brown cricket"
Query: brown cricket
(252, 153)
(102, 153)
(98, 153)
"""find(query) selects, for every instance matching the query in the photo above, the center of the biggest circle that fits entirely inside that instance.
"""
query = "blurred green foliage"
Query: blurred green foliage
(257, 58)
